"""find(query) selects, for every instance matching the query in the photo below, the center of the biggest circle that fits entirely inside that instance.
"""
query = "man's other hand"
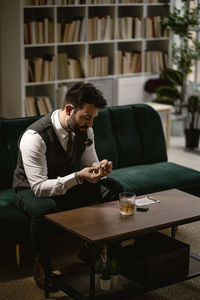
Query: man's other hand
(104, 167)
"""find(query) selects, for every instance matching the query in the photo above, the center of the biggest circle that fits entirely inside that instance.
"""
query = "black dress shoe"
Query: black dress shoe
(39, 277)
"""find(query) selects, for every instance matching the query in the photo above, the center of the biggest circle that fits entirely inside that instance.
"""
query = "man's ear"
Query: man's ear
(69, 109)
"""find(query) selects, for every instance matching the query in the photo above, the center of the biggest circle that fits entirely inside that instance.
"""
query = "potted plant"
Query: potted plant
(98, 269)
(192, 126)
(113, 265)
(186, 50)
(168, 88)
(105, 279)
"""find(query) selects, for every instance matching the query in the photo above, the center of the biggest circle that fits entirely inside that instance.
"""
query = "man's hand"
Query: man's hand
(97, 171)
(92, 174)
(104, 167)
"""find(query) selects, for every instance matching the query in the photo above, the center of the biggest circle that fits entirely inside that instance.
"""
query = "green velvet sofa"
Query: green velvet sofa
(131, 136)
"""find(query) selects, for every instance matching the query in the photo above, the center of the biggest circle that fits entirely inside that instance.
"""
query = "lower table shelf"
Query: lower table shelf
(78, 285)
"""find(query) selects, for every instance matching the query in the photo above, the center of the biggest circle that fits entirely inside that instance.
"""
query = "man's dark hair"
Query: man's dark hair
(81, 93)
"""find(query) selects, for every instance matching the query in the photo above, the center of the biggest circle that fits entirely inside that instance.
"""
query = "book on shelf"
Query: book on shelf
(152, 27)
(51, 32)
(138, 27)
(74, 68)
(43, 104)
(98, 25)
(157, 26)
(122, 28)
(31, 106)
(59, 32)
(46, 30)
(129, 62)
(83, 65)
(39, 2)
(38, 32)
(47, 104)
(119, 62)
(134, 62)
(39, 105)
(108, 28)
(68, 68)
(82, 30)
(100, 28)
(155, 61)
(71, 31)
(38, 65)
(98, 66)
(129, 27)
(62, 66)
(148, 30)
(40, 69)
(76, 37)
(60, 95)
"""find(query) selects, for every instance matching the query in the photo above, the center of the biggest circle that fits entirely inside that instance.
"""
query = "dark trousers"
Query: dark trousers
(81, 195)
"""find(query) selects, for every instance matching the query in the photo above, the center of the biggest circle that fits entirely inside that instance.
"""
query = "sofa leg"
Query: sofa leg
(17, 251)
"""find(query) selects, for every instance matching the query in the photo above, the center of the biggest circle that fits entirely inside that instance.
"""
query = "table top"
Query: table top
(159, 106)
(103, 222)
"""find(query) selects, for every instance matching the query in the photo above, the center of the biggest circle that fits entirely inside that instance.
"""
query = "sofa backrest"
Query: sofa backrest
(127, 135)
(130, 135)
(10, 131)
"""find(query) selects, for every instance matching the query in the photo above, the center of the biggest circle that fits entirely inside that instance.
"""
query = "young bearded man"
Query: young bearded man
(45, 178)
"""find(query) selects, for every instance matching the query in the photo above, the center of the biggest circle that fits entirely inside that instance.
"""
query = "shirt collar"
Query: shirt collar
(60, 131)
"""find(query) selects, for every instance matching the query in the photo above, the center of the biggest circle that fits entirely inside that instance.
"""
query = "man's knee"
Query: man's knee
(43, 207)
(113, 185)
(34, 206)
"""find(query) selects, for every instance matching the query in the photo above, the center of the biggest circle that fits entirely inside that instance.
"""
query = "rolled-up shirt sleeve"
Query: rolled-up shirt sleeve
(33, 151)
(89, 156)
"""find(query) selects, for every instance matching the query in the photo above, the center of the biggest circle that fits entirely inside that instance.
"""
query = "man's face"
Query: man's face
(83, 118)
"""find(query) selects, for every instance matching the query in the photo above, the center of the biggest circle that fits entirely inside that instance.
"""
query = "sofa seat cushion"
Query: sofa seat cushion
(8, 211)
(145, 179)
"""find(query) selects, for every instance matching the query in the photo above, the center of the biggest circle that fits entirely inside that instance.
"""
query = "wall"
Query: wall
(10, 59)
(0, 65)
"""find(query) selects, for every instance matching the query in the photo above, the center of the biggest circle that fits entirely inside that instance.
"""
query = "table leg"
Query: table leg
(168, 125)
(173, 231)
(92, 250)
(46, 287)
(46, 242)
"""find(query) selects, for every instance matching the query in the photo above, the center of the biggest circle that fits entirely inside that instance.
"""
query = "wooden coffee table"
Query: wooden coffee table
(103, 223)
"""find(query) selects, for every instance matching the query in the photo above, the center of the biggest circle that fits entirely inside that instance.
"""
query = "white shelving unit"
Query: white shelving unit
(61, 13)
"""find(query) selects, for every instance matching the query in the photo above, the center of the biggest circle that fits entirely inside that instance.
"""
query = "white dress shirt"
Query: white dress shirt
(33, 149)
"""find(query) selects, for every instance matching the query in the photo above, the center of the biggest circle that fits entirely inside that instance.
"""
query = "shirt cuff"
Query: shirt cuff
(78, 180)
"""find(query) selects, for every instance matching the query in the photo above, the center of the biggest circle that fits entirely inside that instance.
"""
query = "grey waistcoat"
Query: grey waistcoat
(58, 163)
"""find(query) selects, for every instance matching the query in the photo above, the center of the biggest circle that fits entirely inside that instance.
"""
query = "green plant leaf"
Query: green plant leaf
(168, 91)
(164, 100)
(174, 76)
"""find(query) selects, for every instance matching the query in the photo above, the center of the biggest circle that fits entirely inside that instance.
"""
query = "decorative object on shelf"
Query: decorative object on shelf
(192, 127)
(114, 268)
(182, 21)
(105, 279)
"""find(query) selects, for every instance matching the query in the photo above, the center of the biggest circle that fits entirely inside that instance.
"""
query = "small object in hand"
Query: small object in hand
(142, 208)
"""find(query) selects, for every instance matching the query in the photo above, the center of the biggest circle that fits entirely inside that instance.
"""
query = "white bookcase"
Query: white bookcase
(14, 95)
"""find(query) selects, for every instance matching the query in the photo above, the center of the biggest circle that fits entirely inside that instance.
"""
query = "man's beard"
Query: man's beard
(73, 126)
